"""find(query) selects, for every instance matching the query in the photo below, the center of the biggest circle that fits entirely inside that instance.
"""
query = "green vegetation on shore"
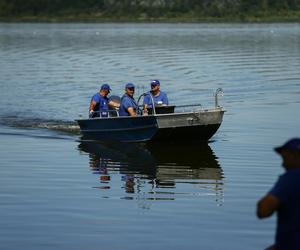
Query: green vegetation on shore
(150, 10)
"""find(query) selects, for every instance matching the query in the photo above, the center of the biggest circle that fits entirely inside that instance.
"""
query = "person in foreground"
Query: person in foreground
(128, 105)
(284, 198)
(100, 103)
(160, 98)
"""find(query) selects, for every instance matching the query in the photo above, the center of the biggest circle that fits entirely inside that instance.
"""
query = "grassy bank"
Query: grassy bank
(99, 17)
(150, 10)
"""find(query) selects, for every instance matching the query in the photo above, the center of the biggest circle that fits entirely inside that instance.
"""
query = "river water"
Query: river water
(57, 192)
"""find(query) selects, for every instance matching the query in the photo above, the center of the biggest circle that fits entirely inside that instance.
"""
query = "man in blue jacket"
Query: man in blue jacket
(155, 95)
(128, 105)
(100, 103)
(284, 198)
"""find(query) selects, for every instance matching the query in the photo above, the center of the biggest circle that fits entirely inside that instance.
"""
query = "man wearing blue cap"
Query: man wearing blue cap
(284, 198)
(128, 105)
(100, 103)
(155, 95)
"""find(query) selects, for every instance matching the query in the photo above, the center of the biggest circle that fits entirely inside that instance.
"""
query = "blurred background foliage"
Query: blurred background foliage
(152, 10)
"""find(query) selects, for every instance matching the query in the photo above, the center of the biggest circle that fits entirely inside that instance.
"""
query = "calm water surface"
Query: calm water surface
(57, 192)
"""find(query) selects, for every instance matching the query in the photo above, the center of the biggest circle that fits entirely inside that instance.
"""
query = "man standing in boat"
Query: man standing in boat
(155, 95)
(128, 105)
(284, 198)
(100, 103)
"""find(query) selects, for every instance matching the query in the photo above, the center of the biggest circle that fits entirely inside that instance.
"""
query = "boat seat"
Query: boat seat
(162, 110)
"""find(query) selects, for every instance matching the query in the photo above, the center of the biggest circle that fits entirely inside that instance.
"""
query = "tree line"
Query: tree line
(147, 9)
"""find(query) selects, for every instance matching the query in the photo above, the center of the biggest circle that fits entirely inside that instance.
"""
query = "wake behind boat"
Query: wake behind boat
(166, 123)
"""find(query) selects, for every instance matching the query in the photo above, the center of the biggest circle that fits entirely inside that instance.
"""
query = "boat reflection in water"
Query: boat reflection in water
(156, 171)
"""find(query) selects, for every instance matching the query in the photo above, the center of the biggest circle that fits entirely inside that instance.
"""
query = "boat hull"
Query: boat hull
(188, 126)
(191, 133)
(131, 129)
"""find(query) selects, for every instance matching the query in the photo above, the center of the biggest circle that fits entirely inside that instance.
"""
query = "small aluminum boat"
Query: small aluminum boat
(163, 124)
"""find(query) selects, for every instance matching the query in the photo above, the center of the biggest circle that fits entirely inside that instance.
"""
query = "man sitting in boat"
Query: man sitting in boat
(128, 105)
(155, 95)
(100, 103)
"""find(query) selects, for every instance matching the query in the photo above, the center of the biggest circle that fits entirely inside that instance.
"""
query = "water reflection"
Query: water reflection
(156, 171)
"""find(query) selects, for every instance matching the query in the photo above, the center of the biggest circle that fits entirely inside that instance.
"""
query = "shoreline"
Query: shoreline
(295, 18)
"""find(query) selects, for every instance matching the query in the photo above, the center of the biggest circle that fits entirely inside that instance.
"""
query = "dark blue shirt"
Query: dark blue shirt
(158, 100)
(102, 105)
(127, 102)
(287, 190)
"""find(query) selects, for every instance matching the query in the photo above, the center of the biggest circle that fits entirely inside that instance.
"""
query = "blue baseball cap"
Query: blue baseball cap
(292, 144)
(155, 82)
(129, 85)
(105, 86)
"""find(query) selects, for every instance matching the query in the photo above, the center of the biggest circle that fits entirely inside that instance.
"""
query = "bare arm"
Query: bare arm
(267, 206)
(92, 105)
(131, 111)
(145, 108)
(113, 104)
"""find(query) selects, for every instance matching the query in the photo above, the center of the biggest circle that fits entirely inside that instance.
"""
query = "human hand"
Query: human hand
(91, 112)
